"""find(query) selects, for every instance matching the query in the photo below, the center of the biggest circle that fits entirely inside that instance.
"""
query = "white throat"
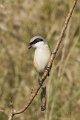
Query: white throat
(39, 45)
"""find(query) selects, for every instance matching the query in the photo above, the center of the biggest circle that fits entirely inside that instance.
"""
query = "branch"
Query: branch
(46, 72)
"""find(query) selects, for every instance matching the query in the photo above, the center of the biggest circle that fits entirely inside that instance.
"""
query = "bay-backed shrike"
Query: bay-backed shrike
(41, 58)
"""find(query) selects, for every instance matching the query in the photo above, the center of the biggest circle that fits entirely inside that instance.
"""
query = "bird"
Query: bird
(41, 58)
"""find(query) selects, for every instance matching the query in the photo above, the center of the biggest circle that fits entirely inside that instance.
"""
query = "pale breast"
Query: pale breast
(41, 58)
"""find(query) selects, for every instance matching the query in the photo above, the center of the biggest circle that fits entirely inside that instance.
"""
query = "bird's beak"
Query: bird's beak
(29, 46)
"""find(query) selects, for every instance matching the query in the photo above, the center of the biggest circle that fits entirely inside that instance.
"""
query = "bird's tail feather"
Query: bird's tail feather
(43, 96)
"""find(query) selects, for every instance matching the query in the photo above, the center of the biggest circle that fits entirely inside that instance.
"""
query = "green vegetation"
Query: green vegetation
(20, 20)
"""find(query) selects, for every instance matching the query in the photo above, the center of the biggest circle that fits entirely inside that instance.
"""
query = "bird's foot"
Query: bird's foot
(40, 82)
(48, 69)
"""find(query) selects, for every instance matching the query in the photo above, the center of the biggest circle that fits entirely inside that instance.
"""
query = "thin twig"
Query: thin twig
(11, 115)
(46, 72)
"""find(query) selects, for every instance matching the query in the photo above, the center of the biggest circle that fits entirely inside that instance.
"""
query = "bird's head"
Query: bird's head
(36, 42)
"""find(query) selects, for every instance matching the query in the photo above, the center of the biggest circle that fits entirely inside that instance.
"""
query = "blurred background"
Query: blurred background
(20, 20)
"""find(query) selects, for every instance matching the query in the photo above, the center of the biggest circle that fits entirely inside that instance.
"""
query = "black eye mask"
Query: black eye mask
(35, 41)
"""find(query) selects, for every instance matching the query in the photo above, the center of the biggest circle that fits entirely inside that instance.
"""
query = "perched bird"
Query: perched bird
(41, 58)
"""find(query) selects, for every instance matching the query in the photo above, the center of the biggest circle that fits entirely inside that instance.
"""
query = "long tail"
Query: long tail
(43, 96)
